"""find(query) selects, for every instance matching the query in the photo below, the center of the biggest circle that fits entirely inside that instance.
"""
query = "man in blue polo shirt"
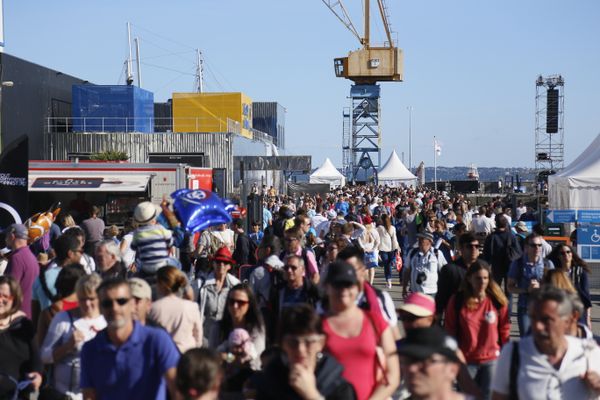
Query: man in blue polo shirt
(126, 360)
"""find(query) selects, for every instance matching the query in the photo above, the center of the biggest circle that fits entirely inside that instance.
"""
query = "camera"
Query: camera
(421, 277)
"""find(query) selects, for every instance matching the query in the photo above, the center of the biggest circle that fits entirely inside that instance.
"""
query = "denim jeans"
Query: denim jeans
(524, 321)
(387, 261)
(482, 375)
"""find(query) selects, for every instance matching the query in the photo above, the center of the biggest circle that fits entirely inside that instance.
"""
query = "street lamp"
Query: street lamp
(3, 85)
(409, 108)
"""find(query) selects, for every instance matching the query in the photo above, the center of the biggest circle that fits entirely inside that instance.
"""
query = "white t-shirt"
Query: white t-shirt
(428, 264)
(538, 379)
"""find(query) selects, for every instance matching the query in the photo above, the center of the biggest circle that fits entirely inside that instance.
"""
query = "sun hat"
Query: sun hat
(223, 254)
(144, 212)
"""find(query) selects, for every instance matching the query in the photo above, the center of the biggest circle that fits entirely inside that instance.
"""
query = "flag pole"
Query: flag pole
(434, 164)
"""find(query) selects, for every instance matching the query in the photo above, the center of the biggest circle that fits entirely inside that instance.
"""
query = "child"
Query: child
(151, 241)
(257, 234)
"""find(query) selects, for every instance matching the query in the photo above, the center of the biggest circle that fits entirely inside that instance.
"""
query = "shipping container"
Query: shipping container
(112, 108)
(210, 112)
(269, 117)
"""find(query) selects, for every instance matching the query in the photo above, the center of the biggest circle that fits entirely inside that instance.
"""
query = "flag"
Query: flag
(438, 147)
(14, 166)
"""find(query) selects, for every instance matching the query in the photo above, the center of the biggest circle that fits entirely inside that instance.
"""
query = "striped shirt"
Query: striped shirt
(151, 244)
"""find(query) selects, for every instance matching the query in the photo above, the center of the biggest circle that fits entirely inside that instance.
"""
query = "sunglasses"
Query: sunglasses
(6, 297)
(108, 303)
(472, 245)
(236, 302)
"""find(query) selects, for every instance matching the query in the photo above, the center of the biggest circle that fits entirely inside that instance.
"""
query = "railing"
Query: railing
(140, 124)
(149, 125)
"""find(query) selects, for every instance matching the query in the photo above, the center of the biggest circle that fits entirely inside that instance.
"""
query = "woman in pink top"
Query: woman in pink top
(477, 316)
(353, 336)
(180, 318)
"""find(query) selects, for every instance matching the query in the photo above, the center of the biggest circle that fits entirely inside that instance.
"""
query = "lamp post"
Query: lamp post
(409, 108)
(3, 84)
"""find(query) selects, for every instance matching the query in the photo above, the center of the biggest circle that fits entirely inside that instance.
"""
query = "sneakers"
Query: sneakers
(389, 283)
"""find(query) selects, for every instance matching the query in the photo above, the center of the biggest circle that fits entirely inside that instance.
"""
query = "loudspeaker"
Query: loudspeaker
(552, 111)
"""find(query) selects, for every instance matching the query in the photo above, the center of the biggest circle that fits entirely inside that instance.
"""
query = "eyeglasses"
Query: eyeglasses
(289, 266)
(6, 297)
(564, 253)
(237, 302)
(296, 341)
(108, 303)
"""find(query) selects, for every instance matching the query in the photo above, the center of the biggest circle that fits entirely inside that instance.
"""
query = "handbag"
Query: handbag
(381, 369)
(398, 261)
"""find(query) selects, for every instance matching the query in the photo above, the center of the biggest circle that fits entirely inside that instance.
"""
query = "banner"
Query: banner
(14, 197)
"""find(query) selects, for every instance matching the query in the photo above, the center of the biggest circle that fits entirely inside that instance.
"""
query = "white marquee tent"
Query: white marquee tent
(394, 173)
(328, 173)
(577, 186)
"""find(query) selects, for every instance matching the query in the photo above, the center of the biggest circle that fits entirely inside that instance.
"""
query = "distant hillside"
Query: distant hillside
(486, 174)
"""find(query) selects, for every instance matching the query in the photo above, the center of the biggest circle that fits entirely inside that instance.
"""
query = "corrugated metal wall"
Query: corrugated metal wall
(217, 146)
(269, 117)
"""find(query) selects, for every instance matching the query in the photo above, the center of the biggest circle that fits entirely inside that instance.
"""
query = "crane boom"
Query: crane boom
(386, 24)
(338, 9)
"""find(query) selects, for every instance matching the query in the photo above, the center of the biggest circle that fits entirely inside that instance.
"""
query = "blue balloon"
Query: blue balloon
(199, 209)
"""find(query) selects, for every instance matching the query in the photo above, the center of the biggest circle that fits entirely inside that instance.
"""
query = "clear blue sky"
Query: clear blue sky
(470, 65)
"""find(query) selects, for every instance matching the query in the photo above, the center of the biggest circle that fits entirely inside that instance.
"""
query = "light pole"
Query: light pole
(3, 84)
(409, 108)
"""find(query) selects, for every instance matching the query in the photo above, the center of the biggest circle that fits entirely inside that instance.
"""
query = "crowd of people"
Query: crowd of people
(291, 309)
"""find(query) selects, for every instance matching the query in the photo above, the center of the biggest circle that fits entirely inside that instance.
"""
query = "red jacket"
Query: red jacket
(478, 330)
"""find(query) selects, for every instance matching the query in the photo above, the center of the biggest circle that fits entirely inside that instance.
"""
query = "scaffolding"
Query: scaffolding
(549, 124)
(362, 134)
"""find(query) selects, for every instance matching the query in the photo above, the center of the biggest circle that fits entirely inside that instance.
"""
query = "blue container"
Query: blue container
(112, 108)
(269, 117)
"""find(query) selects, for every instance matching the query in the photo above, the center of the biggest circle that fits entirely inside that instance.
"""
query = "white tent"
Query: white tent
(577, 186)
(394, 173)
(327, 173)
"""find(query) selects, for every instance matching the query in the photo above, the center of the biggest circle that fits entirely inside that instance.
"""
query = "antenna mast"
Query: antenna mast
(199, 83)
(129, 60)
(138, 62)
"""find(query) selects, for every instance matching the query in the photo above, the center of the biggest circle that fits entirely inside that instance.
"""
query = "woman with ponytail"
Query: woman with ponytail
(179, 317)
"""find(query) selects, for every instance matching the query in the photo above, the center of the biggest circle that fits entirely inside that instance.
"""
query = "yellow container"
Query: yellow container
(209, 112)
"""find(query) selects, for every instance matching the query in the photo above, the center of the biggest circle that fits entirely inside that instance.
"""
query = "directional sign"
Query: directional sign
(588, 242)
(588, 216)
(561, 216)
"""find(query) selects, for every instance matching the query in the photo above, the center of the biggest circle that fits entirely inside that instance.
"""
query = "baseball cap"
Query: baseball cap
(341, 273)
(418, 304)
(422, 343)
(140, 288)
(331, 214)
(19, 230)
(521, 226)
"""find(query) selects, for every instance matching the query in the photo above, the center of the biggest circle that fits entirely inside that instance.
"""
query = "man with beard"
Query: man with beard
(127, 360)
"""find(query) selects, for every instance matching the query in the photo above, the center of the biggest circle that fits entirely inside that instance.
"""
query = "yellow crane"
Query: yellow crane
(361, 133)
(368, 65)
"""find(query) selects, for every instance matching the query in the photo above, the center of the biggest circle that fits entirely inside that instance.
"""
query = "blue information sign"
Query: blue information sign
(561, 216)
(588, 242)
(588, 216)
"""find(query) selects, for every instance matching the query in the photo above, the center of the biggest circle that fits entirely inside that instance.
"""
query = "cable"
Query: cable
(166, 68)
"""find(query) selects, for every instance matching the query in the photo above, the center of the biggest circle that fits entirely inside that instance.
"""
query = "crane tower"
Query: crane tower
(361, 134)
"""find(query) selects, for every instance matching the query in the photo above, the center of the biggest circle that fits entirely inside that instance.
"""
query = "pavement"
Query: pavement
(396, 293)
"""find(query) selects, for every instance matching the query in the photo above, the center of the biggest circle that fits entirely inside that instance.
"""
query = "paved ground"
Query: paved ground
(396, 293)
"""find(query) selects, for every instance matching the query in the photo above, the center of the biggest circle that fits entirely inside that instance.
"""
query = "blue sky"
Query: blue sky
(470, 65)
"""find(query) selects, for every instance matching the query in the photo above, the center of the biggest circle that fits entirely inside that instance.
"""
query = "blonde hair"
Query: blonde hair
(88, 284)
(559, 279)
